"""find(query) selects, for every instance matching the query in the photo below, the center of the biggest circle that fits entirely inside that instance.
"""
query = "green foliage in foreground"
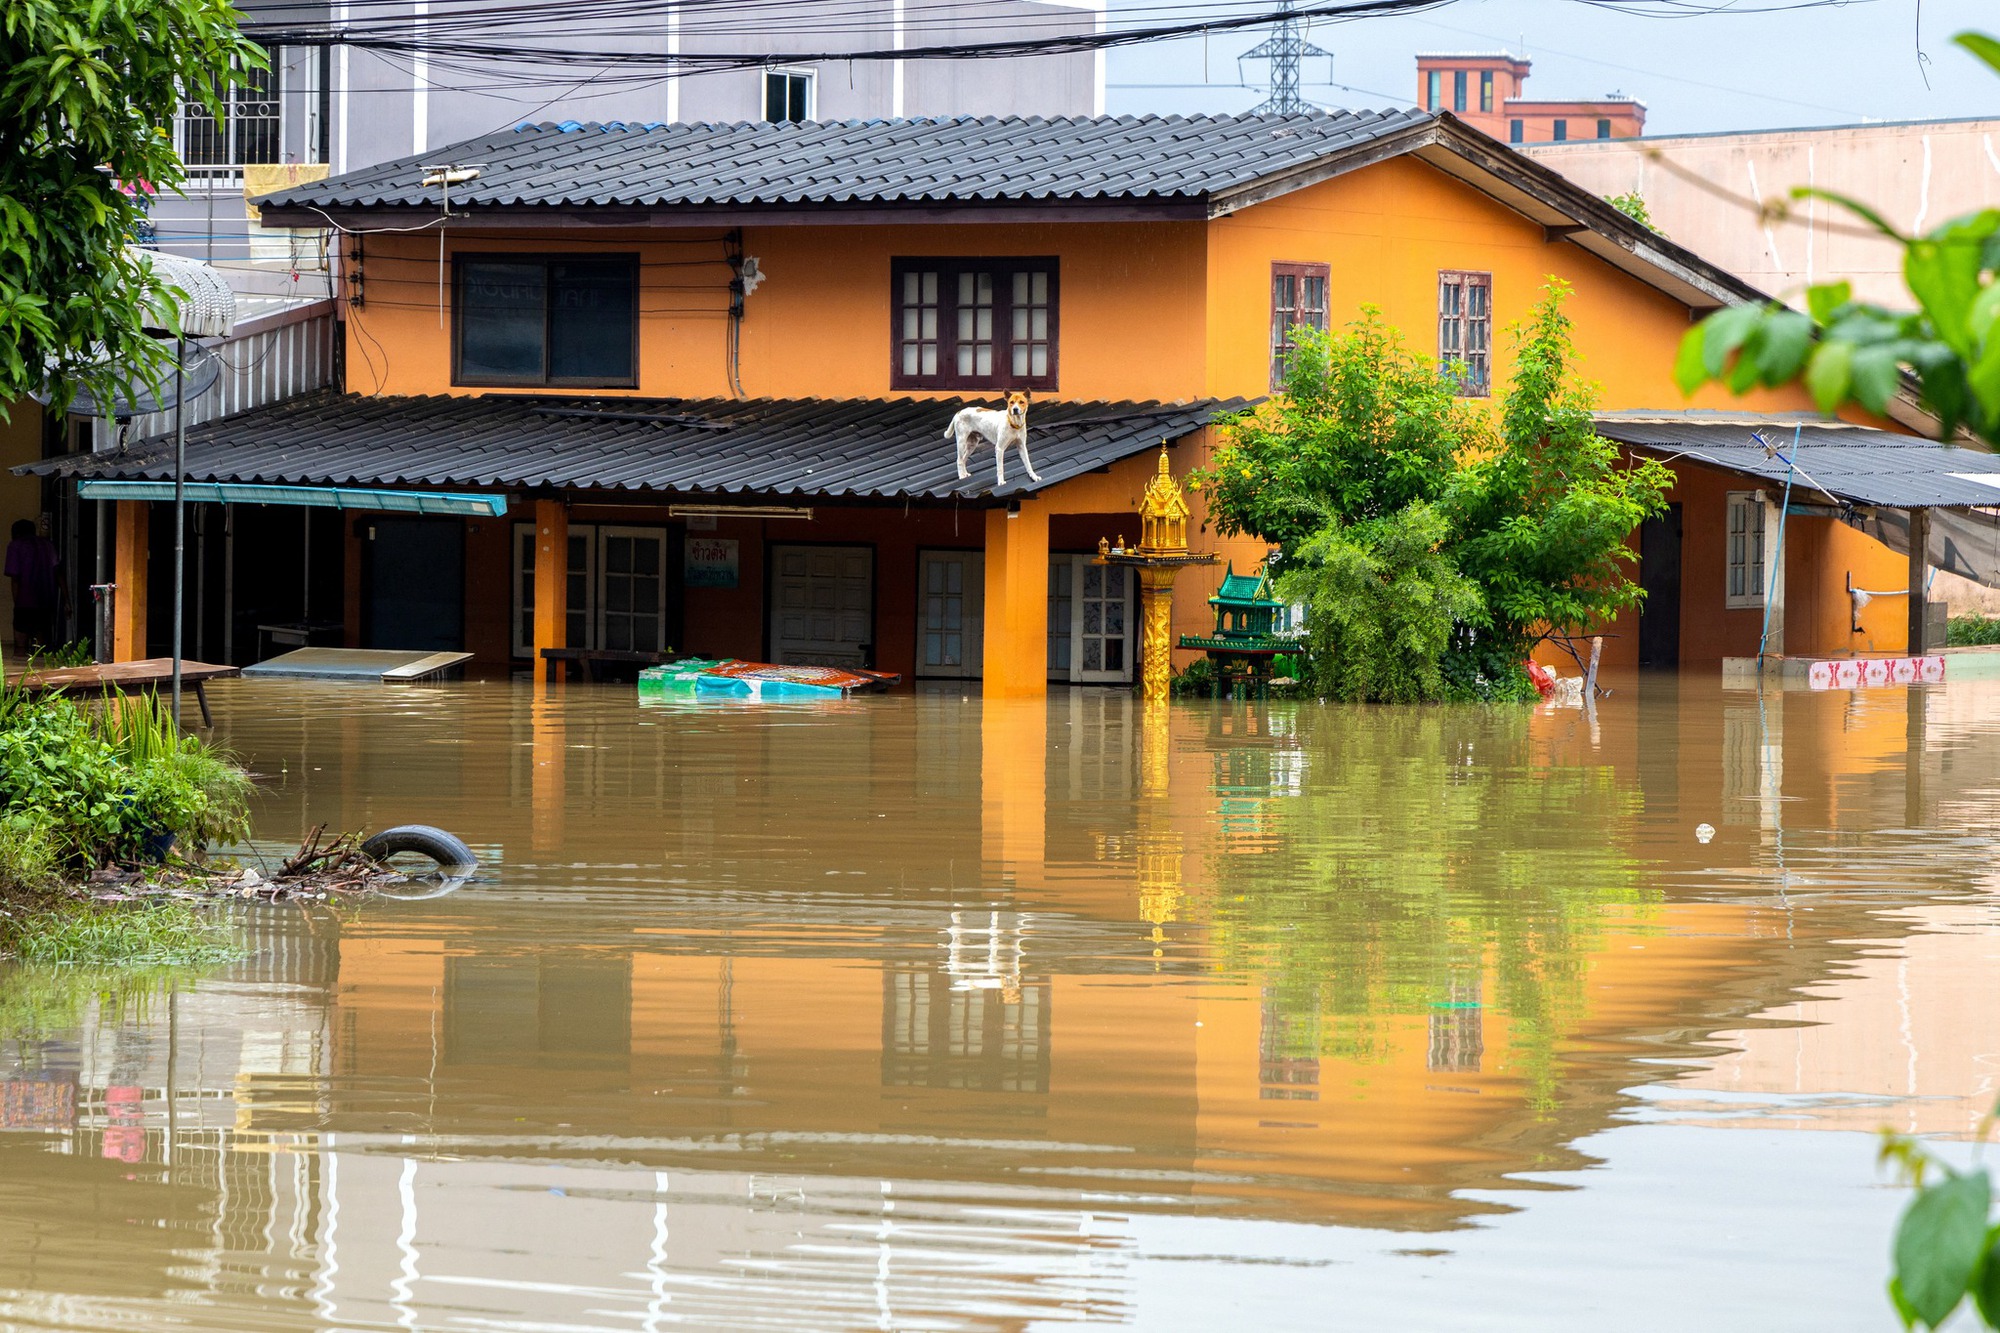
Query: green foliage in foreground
(1947, 1248)
(1972, 631)
(165, 934)
(84, 785)
(1847, 351)
(85, 89)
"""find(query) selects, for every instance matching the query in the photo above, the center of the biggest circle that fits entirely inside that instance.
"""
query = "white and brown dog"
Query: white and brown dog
(1002, 430)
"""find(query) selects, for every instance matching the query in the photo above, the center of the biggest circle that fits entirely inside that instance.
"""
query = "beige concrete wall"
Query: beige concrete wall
(1704, 192)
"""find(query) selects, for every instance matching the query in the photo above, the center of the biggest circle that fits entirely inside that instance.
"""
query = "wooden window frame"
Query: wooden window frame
(1486, 91)
(1466, 281)
(949, 268)
(1281, 343)
(1458, 98)
(544, 381)
(1434, 90)
(1604, 127)
(1559, 130)
(1517, 131)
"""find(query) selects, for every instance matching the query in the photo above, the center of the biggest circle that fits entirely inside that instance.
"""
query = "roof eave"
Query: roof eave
(597, 217)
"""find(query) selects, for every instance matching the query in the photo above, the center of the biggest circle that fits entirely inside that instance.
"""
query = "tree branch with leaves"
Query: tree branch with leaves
(88, 92)
(1846, 351)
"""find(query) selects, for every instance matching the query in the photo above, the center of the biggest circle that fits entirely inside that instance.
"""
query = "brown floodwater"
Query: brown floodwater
(939, 1013)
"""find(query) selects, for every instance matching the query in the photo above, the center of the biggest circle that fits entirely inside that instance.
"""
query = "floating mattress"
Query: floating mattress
(728, 677)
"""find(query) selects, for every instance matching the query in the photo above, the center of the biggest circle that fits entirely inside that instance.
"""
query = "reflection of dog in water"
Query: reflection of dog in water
(1002, 430)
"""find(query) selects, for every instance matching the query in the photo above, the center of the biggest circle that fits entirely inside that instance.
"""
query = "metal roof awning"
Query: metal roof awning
(1831, 461)
(317, 497)
(786, 449)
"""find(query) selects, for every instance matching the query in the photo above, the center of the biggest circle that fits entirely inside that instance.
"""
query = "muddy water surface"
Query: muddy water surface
(935, 1013)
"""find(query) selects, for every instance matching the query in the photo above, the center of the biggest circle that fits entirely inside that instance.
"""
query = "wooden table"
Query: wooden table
(149, 673)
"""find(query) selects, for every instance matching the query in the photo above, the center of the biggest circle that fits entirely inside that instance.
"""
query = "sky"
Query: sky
(1828, 65)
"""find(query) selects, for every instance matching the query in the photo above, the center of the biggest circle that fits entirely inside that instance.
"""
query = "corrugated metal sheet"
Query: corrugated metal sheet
(834, 448)
(959, 160)
(1850, 464)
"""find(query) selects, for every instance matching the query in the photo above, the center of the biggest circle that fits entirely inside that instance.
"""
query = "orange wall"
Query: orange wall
(1130, 315)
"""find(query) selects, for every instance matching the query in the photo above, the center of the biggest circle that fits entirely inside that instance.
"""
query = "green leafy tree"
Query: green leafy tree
(1847, 351)
(1545, 518)
(1363, 428)
(87, 88)
(1384, 602)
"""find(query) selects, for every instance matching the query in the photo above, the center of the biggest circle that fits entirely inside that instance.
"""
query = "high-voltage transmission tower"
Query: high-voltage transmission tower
(1285, 48)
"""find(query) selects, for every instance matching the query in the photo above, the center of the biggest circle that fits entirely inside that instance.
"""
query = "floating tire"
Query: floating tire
(453, 857)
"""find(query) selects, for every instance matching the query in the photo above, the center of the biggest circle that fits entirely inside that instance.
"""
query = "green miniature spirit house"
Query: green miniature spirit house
(1247, 634)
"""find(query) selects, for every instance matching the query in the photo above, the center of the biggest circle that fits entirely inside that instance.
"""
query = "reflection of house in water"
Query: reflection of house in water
(543, 1010)
(1288, 1054)
(1457, 1034)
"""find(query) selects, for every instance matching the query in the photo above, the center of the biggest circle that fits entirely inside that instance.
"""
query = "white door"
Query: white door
(951, 599)
(631, 589)
(822, 605)
(1091, 620)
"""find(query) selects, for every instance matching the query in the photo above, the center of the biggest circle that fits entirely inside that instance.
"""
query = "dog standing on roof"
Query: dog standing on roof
(1003, 430)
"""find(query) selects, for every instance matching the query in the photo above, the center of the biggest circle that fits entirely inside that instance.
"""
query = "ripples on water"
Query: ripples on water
(926, 1012)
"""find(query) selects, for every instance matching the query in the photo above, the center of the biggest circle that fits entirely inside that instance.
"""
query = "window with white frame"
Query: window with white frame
(1745, 553)
(788, 96)
(249, 131)
(620, 593)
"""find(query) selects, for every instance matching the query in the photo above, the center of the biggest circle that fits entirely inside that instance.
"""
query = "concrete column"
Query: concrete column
(128, 571)
(1016, 655)
(551, 586)
(1920, 547)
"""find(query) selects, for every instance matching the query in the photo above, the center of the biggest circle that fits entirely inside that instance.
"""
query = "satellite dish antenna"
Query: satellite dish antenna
(200, 368)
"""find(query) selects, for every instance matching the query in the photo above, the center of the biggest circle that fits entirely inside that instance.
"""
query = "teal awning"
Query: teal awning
(319, 497)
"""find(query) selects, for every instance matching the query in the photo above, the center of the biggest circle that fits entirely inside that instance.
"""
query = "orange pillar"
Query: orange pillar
(1013, 789)
(551, 585)
(128, 571)
(549, 786)
(1017, 602)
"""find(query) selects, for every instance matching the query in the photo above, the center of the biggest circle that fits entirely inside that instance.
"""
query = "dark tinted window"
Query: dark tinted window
(547, 321)
(501, 320)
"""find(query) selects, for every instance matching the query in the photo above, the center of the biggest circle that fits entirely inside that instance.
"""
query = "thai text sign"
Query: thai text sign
(711, 562)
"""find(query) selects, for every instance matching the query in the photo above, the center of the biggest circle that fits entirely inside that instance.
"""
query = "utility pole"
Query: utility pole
(1284, 49)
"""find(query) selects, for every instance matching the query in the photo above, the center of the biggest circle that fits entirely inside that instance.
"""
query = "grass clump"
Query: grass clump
(86, 785)
(160, 934)
(1972, 631)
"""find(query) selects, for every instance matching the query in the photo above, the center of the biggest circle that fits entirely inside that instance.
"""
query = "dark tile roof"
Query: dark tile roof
(959, 160)
(1851, 464)
(854, 448)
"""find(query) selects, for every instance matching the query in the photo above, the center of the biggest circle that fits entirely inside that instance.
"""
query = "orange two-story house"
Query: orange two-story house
(708, 371)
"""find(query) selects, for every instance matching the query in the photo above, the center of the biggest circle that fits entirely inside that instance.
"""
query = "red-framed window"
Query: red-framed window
(974, 323)
(1298, 301)
(1465, 330)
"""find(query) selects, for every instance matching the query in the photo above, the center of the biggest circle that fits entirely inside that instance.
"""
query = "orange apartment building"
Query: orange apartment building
(694, 383)
(1484, 89)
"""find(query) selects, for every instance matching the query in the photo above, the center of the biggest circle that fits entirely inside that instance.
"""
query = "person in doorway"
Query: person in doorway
(34, 575)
